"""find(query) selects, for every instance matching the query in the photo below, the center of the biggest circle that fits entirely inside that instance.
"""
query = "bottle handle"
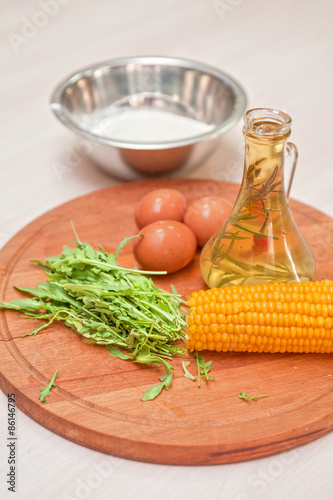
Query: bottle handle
(293, 152)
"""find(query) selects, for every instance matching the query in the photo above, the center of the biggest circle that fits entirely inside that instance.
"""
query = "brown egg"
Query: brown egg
(165, 246)
(160, 204)
(206, 216)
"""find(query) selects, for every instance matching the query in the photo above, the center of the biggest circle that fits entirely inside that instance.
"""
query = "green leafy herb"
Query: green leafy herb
(246, 397)
(109, 305)
(117, 353)
(187, 374)
(203, 368)
(125, 241)
(166, 381)
(45, 391)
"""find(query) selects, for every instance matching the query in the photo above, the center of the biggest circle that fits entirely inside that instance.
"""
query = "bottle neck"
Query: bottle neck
(264, 162)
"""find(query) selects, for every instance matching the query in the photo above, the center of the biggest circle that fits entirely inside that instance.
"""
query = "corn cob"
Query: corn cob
(292, 317)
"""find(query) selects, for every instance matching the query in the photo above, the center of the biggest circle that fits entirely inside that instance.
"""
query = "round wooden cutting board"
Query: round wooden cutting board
(96, 402)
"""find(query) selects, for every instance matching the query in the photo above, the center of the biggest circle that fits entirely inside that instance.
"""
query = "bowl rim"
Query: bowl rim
(238, 111)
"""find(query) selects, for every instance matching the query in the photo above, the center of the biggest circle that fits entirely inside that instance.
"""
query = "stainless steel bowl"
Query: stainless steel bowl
(140, 116)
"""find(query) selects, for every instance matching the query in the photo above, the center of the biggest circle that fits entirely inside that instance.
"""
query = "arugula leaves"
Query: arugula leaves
(187, 374)
(203, 368)
(45, 391)
(125, 241)
(246, 397)
(109, 305)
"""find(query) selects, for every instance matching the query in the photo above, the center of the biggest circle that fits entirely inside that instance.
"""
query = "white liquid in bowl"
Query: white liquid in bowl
(146, 125)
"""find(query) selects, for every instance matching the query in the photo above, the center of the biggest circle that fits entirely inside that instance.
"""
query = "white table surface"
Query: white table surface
(282, 54)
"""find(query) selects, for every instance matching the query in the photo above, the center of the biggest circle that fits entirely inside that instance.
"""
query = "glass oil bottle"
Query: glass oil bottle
(260, 242)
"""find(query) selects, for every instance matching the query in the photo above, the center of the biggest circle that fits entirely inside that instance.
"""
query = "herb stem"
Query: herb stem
(102, 265)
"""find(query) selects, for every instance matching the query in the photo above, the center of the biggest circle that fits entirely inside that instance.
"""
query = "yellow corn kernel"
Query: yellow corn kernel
(292, 317)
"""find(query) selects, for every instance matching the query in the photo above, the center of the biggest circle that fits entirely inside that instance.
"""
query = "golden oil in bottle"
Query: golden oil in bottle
(260, 242)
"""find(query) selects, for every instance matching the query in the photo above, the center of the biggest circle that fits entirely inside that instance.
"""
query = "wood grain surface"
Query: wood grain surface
(97, 399)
